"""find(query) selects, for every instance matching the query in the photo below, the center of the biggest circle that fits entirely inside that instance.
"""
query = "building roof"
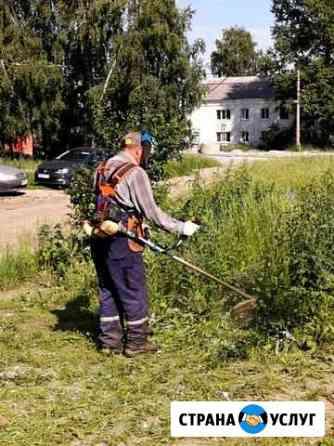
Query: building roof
(246, 87)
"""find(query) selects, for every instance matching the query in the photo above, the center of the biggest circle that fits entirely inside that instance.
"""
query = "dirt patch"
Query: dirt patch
(21, 215)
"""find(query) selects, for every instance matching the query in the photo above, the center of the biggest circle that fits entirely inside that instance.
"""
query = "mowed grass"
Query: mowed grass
(56, 388)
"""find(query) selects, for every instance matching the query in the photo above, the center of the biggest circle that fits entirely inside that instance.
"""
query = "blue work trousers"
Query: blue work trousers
(122, 292)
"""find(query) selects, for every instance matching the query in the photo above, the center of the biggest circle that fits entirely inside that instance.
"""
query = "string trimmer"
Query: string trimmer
(110, 228)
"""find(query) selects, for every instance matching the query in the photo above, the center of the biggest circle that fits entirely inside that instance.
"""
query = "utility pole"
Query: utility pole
(298, 143)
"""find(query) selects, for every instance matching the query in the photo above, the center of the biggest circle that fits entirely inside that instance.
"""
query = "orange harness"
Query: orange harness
(106, 190)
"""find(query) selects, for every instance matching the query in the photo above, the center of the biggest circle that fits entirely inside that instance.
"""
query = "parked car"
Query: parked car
(12, 178)
(59, 171)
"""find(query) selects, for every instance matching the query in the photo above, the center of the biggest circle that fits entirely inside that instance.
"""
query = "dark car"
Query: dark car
(12, 178)
(59, 171)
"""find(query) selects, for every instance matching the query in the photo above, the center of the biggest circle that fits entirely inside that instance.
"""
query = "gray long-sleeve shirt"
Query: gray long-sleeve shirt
(135, 192)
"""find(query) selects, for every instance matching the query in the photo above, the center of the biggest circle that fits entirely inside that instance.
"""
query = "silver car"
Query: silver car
(11, 178)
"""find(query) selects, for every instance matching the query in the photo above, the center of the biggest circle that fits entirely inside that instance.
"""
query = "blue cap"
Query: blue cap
(146, 137)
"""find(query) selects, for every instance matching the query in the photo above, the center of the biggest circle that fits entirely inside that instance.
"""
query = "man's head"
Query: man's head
(139, 144)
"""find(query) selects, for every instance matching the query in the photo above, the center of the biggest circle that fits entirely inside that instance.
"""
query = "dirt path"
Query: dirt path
(22, 214)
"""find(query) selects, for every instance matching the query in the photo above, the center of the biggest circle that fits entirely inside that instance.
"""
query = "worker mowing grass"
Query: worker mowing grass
(124, 194)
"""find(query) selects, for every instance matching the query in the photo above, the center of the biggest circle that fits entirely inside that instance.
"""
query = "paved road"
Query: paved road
(21, 214)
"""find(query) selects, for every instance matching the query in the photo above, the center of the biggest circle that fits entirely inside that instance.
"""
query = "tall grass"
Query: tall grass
(273, 239)
(188, 165)
(17, 265)
(268, 228)
(292, 173)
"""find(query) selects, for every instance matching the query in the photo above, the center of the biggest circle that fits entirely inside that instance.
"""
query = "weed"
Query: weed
(255, 236)
(57, 250)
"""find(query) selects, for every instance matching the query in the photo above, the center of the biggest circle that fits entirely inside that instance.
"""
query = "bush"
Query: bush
(57, 250)
(276, 138)
(82, 195)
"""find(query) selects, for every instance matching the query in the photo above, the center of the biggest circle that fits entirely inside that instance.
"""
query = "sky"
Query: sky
(212, 16)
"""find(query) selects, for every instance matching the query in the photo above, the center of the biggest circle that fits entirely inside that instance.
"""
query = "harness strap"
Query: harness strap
(107, 187)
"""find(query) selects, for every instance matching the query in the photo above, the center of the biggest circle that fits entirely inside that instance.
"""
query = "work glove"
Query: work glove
(190, 228)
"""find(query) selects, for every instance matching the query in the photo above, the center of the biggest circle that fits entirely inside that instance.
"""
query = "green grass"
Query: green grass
(292, 173)
(242, 147)
(27, 165)
(57, 389)
(18, 265)
(188, 165)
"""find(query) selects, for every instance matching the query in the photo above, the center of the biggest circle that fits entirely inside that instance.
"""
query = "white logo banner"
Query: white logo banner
(247, 419)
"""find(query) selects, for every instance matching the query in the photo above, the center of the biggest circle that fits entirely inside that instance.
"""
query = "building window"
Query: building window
(244, 137)
(223, 136)
(245, 114)
(264, 113)
(283, 113)
(223, 114)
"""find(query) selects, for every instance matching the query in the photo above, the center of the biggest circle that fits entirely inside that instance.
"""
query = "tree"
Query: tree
(235, 54)
(267, 63)
(304, 37)
(31, 100)
(155, 79)
(77, 72)
(89, 31)
(52, 53)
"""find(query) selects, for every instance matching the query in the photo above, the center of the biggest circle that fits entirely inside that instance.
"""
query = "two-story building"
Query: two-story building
(237, 110)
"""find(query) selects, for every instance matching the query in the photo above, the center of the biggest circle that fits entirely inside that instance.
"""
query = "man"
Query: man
(124, 194)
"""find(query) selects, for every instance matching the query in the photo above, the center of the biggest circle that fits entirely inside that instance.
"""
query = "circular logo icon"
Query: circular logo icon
(253, 419)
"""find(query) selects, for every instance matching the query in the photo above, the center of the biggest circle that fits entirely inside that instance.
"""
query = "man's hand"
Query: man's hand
(190, 228)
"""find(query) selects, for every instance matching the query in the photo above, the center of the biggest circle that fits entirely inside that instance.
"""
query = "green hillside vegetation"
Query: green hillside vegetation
(268, 229)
